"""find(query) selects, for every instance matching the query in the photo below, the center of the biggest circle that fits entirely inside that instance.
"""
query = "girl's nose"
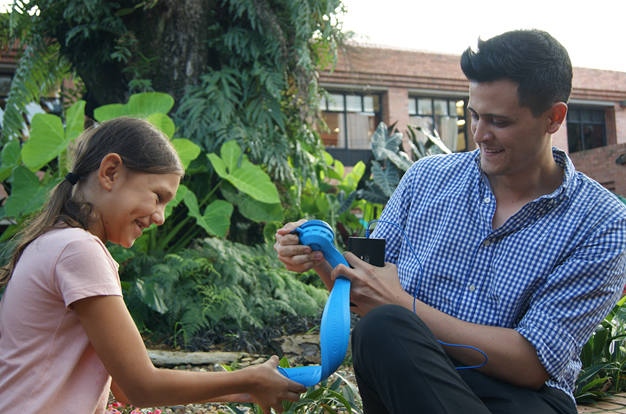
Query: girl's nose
(158, 217)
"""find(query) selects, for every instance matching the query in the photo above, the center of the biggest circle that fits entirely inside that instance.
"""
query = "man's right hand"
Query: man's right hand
(295, 256)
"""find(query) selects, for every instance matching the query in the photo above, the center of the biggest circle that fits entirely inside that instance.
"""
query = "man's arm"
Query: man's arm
(512, 358)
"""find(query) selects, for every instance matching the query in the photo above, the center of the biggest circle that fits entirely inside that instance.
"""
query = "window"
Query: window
(446, 116)
(585, 129)
(351, 120)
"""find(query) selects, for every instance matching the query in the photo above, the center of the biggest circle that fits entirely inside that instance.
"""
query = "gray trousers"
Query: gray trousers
(401, 368)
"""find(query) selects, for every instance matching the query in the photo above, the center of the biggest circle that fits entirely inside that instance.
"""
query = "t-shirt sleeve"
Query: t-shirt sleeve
(85, 269)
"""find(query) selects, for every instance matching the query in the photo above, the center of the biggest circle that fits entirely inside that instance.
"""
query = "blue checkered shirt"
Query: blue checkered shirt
(552, 272)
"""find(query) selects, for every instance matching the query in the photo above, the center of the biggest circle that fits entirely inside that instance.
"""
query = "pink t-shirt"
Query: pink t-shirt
(47, 364)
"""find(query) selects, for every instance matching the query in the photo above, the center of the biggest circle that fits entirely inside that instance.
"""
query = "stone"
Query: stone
(162, 358)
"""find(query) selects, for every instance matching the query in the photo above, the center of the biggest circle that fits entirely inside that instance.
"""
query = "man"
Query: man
(517, 255)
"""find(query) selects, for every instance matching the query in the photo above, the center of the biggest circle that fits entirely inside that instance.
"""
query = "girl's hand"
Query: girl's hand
(296, 257)
(272, 388)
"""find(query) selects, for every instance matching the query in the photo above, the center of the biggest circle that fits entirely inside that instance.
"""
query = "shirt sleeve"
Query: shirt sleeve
(575, 298)
(396, 211)
(84, 270)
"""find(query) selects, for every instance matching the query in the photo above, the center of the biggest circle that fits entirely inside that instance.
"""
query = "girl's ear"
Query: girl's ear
(110, 170)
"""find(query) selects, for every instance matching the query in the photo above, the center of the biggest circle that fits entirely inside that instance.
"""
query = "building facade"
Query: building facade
(428, 90)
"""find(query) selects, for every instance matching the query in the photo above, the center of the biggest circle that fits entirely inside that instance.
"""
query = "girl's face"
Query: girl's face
(134, 201)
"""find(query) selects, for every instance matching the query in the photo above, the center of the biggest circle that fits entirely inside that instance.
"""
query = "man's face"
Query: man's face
(512, 142)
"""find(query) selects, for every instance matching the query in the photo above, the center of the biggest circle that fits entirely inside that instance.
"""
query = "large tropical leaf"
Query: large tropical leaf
(163, 122)
(47, 140)
(187, 150)
(216, 217)
(140, 105)
(28, 193)
(250, 208)
(74, 121)
(10, 157)
(235, 167)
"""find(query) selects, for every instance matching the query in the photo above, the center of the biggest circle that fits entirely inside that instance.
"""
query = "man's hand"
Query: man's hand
(300, 258)
(372, 286)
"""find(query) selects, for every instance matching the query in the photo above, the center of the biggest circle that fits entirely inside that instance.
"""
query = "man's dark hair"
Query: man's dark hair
(532, 58)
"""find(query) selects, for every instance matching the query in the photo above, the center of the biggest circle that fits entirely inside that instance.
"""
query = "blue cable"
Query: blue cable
(419, 279)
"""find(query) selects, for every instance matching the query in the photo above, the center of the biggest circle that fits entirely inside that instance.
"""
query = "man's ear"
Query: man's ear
(110, 170)
(556, 116)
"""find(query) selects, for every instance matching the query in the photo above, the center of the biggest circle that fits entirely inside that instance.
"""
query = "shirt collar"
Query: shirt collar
(560, 157)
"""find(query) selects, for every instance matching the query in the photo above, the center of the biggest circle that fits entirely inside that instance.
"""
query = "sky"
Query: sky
(594, 33)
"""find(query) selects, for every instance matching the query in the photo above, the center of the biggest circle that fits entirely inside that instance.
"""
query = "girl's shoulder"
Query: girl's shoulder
(70, 240)
(66, 235)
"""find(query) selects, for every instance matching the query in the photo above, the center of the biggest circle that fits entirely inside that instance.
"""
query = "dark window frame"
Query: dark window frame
(579, 117)
(433, 115)
(348, 156)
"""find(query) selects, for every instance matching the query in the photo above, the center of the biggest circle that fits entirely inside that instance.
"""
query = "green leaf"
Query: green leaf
(163, 122)
(231, 154)
(74, 121)
(219, 165)
(25, 187)
(41, 197)
(187, 150)
(250, 208)
(149, 103)
(216, 217)
(10, 157)
(47, 141)
(106, 112)
(140, 105)
(151, 294)
(248, 178)
(180, 195)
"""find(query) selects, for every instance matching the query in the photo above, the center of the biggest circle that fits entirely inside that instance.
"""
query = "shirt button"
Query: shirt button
(487, 200)
(472, 288)
(486, 243)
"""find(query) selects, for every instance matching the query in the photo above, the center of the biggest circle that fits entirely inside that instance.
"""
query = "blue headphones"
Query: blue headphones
(335, 327)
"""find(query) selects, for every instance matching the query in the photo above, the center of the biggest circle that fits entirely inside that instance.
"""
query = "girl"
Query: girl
(66, 336)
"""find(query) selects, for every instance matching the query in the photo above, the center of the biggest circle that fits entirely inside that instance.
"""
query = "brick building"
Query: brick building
(373, 84)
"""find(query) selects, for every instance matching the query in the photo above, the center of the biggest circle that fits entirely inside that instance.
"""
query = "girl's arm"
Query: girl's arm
(117, 342)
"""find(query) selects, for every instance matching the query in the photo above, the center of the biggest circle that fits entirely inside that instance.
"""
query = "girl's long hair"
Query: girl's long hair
(142, 147)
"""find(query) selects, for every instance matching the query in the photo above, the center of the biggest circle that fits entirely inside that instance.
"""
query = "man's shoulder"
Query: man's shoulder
(589, 194)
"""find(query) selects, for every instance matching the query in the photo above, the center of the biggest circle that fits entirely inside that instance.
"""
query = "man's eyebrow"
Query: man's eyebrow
(489, 115)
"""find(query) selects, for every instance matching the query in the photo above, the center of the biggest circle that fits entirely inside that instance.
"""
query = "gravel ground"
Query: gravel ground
(345, 371)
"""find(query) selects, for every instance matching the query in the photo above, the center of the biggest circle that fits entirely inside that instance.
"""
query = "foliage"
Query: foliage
(245, 70)
(390, 161)
(215, 282)
(261, 88)
(336, 198)
(340, 395)
(603, 358)
(43, 153)
(253, 80)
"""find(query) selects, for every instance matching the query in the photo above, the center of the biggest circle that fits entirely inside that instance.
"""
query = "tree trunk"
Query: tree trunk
(174, 34)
